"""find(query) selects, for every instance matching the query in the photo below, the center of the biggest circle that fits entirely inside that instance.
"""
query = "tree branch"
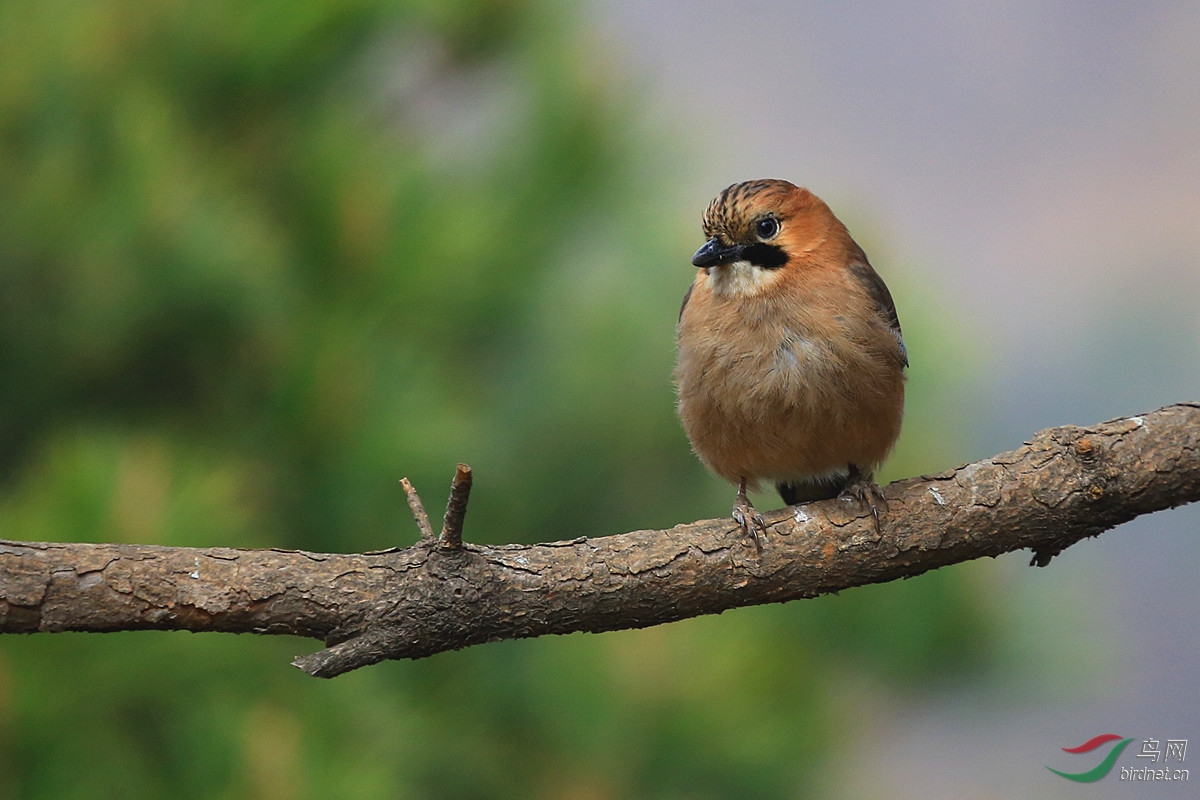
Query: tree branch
(1066, 484)
(424, 527)
(456, 509)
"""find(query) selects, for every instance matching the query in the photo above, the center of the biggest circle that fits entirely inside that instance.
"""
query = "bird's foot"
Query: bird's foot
(860, 488)
(750, 521)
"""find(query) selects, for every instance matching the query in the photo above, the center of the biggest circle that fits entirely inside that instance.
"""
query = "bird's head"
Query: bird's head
(758, 229)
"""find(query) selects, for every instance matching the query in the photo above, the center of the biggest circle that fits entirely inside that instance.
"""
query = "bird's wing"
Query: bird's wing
(688, 296)
(866, 275)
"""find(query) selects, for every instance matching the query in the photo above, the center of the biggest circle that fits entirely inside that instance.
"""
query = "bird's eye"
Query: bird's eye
(767, 227)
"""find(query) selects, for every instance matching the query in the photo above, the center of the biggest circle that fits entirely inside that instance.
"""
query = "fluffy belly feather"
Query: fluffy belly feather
(797, 410)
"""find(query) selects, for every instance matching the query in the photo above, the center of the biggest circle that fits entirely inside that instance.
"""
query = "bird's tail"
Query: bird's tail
(795, 492)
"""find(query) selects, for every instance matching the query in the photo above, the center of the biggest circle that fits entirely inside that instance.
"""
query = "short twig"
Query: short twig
(456, 509)
(418, 510)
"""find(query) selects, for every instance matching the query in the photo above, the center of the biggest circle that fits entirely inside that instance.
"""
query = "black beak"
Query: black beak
(713, 253)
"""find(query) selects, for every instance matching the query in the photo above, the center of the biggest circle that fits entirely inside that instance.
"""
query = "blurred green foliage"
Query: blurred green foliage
(259, 260)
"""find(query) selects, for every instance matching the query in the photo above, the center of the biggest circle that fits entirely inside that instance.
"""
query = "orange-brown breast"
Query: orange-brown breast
(794, 382)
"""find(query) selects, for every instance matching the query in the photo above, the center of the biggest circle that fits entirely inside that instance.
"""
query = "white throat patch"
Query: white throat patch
(740, 279)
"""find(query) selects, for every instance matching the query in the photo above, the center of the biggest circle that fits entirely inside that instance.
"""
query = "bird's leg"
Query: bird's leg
(750, 520)
(860, 487)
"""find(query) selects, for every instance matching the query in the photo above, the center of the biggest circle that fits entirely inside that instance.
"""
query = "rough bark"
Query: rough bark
(1066, 484)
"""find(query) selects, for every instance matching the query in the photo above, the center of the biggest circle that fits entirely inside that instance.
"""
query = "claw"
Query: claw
(745, 515)
(865, 492)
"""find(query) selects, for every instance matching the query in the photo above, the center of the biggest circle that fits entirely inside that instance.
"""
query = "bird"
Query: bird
(790, 358)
